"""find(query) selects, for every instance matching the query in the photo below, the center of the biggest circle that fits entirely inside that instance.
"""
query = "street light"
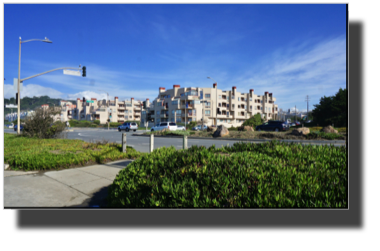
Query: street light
(216, 101)
(46, 40)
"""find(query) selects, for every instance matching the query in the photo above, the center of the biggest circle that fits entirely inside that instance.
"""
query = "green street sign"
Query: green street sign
(90, 101)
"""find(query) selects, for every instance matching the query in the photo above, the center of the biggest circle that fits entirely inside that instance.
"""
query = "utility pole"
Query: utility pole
(307, 100)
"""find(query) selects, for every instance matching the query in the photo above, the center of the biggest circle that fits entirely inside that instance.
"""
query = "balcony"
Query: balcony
(189, 97)
(121, 108)
(137, 108)
(137, 115)
(188, 107)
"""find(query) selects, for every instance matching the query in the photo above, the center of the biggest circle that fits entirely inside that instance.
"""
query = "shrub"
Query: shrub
(244, 175)
(114, 124)
(190, 125)
(232, 128)
(97, 122)
(40, 124)
(254, 121)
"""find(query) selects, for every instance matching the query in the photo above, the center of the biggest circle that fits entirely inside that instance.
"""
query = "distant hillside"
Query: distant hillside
(32, 103)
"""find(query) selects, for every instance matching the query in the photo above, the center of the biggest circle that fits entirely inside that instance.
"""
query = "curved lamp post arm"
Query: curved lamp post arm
(46, 40)
(62, 68)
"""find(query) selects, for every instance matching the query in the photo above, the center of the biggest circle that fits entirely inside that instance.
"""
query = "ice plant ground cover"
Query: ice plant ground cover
(245, 175)
(22, 153)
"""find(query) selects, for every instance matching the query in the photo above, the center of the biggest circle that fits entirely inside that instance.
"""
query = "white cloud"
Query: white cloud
(31, 90)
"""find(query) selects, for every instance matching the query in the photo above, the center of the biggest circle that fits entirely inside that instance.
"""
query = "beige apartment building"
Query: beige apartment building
(115, 110)
(230, 108)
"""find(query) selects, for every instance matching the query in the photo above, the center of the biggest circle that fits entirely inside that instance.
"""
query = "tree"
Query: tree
(254, 121)
(332, 110)
(41, 124)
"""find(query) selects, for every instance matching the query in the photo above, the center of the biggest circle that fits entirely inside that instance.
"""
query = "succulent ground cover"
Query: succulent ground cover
(22, 153)
(315, 133)
(246, 175)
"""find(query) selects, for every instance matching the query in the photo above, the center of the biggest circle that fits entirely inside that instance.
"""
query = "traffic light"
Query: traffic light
(108, 120)
(84, 71)
(84, 100)
(16, 98)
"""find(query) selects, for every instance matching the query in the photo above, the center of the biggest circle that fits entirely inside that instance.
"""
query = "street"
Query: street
(142, 143)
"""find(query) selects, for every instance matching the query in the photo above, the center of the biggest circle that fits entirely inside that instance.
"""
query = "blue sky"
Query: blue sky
(131, 50)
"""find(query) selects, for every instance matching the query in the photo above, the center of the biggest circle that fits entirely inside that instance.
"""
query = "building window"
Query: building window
(207, 112)
(238, 106)
(158, 112)
(220, 105)
(228, 106)
(207, 95)
(261, 108)
(261, 101)
(130, 117)
(229, 121)
(250, 99)
(228, 113)
(220, 96)
(233, 97)
(233, 106)
(238, 98)
(179, 120)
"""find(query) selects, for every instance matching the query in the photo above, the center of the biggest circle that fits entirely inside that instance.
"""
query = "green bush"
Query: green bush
(254, 121)
(97, 122)
(114, 124)
(232, 128)
(245, 175)
(190, 125)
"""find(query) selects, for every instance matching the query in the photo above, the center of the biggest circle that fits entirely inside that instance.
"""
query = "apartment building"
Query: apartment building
(67, 110)
(115, 110)
(230, 108)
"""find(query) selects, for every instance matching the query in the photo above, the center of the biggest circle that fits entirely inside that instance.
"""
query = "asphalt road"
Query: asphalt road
(142, 143)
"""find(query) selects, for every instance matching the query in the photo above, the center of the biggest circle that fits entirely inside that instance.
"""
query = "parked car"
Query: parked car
(128, 126)
(11, 126)
(21, 127)
(199, 127)
(309, 121)
(275, 125)
(298, 123)
(168, 125)
(181, 128)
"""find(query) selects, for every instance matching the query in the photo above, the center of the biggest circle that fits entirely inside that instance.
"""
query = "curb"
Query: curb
(251, 140)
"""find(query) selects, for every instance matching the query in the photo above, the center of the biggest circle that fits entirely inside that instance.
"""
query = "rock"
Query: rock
(329, 129)
(301, 131)
(248, 128)
(221, 131)
(211, 129)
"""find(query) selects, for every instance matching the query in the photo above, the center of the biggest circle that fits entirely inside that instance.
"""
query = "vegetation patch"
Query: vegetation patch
(268, 175)
(22, 153)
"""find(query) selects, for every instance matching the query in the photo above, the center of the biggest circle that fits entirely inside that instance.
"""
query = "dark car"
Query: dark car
(276, 126)
(21, 127)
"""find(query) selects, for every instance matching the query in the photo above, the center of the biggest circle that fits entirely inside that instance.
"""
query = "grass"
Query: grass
(28, 154)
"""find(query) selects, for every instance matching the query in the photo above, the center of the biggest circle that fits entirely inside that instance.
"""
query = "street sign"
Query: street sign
(74, 73)
(90, 101)
(15, 80)
(11, 106)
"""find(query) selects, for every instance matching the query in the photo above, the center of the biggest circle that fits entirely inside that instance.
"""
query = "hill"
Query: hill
(28, 103)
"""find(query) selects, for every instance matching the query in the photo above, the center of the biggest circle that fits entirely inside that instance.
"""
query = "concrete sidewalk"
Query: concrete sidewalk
(76, 187)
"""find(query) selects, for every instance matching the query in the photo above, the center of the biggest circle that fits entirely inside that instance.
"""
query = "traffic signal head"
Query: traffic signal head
(84, 100)
(16, 98)
(84, 71)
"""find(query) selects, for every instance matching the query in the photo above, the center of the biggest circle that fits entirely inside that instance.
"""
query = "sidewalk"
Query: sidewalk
(76, 187)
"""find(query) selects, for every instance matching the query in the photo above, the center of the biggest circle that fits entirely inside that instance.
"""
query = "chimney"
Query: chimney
(161, 89)
(266, 93)
(132, 99)
(214, 85)
(233, 89)
(116, 100)
(175, 87)
(250, 93)
(93, 98)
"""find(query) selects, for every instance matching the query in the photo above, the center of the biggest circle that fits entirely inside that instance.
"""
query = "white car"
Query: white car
(164, 125)
(181, 128)
(199, 127)
(11, 126)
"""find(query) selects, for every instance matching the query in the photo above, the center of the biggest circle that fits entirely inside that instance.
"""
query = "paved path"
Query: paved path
(76, 187)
